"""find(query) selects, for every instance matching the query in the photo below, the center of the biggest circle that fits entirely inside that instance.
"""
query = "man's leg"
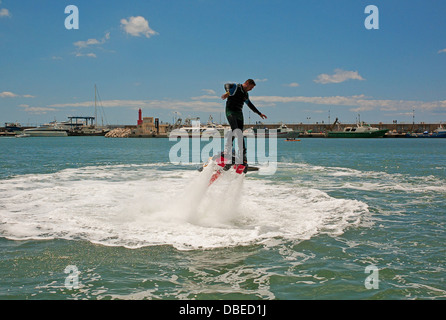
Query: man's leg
(240, 126)
(236, 131)
(230, 136)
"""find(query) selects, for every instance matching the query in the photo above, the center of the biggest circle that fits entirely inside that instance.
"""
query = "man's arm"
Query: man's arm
(230, 89)
(254, 109)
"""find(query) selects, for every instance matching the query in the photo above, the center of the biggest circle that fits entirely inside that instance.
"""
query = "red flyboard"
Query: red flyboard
(239, 168)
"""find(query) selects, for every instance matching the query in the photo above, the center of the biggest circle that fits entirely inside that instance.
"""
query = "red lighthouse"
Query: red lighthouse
(140, 117)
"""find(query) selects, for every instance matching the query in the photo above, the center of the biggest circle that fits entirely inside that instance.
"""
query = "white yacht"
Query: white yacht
(52, 129)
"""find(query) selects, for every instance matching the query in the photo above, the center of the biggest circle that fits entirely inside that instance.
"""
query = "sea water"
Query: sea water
(98, 218)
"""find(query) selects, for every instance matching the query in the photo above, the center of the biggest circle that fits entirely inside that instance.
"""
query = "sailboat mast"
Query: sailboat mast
(95, 109)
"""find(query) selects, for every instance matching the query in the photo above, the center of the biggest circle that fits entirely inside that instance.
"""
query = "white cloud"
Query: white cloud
(442, 50)
(314, 111)
(84, 44)
(137, 26)
(90, 55)
(336, 100)
(168, 104)
(4, 13)
(92, 42)
(80, 45)
(338, 76)
(361, 109)
(205, 97)
(357, 101)
(209, 91)
(36, 110)
(292, 85)
(7, 94)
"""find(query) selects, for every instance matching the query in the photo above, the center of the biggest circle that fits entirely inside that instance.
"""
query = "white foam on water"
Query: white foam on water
(144, 205)
(347, 178)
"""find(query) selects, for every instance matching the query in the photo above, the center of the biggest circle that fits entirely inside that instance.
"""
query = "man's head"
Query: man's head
(249, 85)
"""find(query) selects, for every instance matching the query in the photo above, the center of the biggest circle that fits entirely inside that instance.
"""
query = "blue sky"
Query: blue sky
(311, 59)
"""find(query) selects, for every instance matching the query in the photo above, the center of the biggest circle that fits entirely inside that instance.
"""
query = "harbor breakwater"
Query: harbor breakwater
(119, 133)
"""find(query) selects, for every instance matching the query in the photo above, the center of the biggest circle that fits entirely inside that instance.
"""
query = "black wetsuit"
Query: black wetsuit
(234, 110)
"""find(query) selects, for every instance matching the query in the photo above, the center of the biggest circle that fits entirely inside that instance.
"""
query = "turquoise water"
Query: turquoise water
(135, 226)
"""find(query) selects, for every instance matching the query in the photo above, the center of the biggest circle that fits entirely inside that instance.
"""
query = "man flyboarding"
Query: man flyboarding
(237, 95)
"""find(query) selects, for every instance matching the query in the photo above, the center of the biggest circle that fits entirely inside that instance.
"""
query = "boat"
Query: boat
(22, 135)
(194, 129)
(83, 128)
(440, 132)
(79, 126)
(292, 139)
(52, 129)
(281, 132)
(362, 130)
(212, 128)
(13, 127)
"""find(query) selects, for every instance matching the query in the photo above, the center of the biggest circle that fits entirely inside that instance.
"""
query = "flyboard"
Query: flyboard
(221, 165)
